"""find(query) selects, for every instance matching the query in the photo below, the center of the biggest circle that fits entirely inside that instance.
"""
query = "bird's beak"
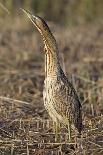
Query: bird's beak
(30, 15)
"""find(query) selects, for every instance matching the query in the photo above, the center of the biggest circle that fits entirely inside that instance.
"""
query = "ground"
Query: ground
(25, 127)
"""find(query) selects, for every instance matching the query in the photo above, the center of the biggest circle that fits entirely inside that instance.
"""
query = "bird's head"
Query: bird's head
(44, 30)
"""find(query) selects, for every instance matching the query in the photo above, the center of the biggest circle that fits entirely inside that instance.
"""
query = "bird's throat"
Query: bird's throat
(51, 64)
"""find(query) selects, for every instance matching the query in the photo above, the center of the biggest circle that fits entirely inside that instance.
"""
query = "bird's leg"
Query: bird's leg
(69, 130)
(56, 130)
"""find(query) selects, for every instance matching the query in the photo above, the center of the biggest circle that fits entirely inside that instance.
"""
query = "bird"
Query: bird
(60, 98)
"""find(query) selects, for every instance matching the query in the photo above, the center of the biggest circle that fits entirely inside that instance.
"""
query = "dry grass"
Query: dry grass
(25, 127)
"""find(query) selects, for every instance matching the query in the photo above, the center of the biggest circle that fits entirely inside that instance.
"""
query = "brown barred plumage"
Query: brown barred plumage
(60, 98)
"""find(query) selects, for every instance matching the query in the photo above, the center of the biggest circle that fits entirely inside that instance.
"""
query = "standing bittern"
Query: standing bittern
(60, 98)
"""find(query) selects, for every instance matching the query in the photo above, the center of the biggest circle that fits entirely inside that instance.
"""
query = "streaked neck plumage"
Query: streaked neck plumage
(52, 65)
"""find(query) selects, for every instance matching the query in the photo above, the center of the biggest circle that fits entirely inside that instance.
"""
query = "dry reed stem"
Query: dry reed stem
(4, 8)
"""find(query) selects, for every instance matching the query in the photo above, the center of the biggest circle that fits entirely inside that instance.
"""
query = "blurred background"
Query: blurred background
(60, 11)
(78, 28)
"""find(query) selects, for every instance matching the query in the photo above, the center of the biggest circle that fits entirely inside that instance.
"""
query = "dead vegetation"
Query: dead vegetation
(25, 127)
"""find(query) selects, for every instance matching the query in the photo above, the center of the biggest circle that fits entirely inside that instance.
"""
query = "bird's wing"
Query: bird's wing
(67, 102)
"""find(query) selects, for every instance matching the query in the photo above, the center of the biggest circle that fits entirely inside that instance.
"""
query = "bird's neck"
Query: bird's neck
(52, 65)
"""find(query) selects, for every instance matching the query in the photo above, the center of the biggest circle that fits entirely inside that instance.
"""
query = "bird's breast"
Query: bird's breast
(49, 96)
(49, 85)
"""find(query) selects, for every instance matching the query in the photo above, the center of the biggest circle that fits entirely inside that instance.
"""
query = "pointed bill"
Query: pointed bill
(27, 13)
(30, 15)
(36, 20)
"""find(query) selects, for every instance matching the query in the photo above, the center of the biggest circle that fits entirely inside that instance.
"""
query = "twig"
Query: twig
(95, 144)
(31, 144)
(4, 8)
(84, 79)
(14, 100)
(7, 133)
